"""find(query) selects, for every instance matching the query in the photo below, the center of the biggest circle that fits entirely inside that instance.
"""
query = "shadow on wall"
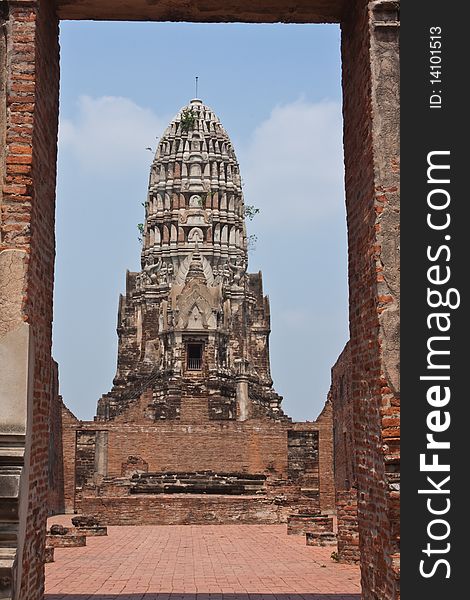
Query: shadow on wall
(198, 596)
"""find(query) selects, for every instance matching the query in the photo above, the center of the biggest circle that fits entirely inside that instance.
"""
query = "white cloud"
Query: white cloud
(110, 133)
(293, 165)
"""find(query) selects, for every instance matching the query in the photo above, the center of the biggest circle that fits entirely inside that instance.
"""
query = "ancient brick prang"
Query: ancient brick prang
(193, 322)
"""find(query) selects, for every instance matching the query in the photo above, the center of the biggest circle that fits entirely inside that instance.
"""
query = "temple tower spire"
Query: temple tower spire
(194, 199)
(193, 322)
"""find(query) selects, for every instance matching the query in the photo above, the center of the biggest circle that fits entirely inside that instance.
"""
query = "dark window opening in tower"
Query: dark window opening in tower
(194, 357)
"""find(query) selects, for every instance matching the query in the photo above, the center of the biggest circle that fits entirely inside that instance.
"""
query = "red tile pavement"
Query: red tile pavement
(233, 562)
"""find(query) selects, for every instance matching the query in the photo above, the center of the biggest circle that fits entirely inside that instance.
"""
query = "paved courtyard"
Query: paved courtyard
(208, 561)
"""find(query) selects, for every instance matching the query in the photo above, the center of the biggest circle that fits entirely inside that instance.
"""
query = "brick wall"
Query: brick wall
(325, 433)
(371, 109)
(30, 116)
(85, 450)
(70, 424)
(302, 456)
(55, 458)
(252, 447)
(340, 396)
(348, 530)
(182, 510)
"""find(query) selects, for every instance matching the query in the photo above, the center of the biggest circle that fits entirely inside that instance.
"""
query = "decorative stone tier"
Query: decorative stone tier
(206, 482)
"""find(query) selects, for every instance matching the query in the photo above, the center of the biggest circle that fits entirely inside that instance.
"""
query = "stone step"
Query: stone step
(320, 538)
(69, 540)
(97, 530)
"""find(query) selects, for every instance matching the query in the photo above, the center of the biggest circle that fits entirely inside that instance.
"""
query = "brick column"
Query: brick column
(371, 109)
(29, 74)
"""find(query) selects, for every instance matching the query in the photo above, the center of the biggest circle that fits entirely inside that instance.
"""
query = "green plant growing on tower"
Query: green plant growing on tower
(188, 119)
(251, 211)
(140, 227)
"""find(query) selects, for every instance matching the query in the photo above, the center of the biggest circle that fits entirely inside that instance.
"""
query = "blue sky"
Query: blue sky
(276, 89)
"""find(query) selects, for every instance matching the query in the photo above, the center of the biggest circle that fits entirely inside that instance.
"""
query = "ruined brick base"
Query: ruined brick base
(184, 509)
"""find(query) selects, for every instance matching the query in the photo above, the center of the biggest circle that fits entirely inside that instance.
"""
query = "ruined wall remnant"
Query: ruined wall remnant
(196, 451)
(55, 458)
(340, 396)
(371, 145)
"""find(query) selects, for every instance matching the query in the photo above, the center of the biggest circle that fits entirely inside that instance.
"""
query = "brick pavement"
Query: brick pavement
(199, 562)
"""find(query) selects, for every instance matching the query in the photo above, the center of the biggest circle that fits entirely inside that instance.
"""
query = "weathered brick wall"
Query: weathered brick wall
(348, 530)
(302, 456)
(182, 510)
(169, 446)
(253, 447)
(85, 450)
(340, 396)
(55, 459)
(326, 470)
(70, 424)
(30, 116)
(371, 109)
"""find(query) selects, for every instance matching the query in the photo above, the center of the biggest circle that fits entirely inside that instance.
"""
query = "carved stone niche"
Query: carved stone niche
(134, 465)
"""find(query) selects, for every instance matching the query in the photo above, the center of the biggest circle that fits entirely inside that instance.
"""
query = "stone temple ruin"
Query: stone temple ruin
(192, 430)
(193, 324)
